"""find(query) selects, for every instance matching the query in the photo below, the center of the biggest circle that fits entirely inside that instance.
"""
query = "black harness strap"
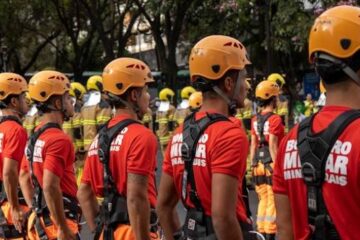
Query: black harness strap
(261, 120)
(314, 150)
(191, 134)
(114, 207)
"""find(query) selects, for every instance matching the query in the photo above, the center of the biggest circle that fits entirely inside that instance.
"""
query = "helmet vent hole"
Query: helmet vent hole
(215, 68)
(2, 93)
(235, 45)
(130, 66)
(119, 86)
(315, 29)
(345, 43)
(43, 94)
(266, 94)
(227, 44)
(142, 67)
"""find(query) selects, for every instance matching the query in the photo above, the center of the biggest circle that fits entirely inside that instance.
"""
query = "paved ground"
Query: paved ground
(86, 235)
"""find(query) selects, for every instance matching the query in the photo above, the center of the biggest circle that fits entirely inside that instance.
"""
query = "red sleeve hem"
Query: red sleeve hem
(226, 172)
(278, 191)
(168, 172)
(139, 171)
(11, 156)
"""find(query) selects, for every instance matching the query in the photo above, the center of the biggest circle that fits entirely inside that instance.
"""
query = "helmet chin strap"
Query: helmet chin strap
(134, 107)
(232, 103)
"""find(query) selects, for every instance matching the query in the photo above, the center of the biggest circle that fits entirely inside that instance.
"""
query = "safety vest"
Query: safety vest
(31, 120)
(93, 118)
(314, 150)
(113, 211)
(165, 124)
(74, 129)
(198, 225)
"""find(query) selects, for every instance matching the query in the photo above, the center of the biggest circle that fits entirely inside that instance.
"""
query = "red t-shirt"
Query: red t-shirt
(13, 139)
(54, 152)
(222, 148)
(273, 125)
(132, 151)
(341, 189)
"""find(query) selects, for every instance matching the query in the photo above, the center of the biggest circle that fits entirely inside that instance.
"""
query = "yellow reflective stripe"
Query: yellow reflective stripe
(88, 141)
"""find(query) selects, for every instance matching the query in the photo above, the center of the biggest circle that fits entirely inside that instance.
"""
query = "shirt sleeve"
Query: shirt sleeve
(229, 152)
(14, 147)
(142, 154)
(56, 153)
(279, 185)
(276, 125)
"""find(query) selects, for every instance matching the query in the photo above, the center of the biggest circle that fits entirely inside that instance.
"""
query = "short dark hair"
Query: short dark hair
(205, 85)
(332, 73)
(7, 100)
(265, 103)
(43, 107)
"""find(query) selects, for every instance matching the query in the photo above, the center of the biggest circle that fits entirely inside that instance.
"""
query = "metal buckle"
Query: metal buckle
(185, 151)
(308, 172)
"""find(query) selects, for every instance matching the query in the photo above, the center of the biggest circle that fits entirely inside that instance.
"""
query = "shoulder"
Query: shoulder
(55, 135)
(139, 131)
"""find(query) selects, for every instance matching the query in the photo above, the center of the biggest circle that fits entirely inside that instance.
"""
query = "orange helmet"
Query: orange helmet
(195, 100)
(335, 32)
(214, 55)
(47, 83)
(11, 83)
(123, 73)
(267, 89)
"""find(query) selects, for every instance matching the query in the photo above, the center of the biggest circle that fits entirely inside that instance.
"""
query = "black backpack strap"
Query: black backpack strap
(261, 120)
(10, 118)
(192, 131)
(106, 136)
(314, 150)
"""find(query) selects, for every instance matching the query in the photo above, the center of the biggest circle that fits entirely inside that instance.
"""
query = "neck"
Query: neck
(347, 96)
(10, 112)
(267, 109)
(53, 117)
(215, 104)
(127, 111)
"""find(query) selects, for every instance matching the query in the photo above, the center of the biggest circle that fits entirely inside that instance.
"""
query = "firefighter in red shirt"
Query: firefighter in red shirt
(13, 139)
(121, 160)
(51, 157)
(317, 174)
(203, 165)
(267, 130)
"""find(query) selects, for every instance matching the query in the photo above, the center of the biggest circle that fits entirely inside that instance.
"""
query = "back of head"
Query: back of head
(186, 92)
(94, 83)
(166, 94)
(11, 84)
(77, 90)
(276, 78)
(195, 100)
(265, 92)
(47, 83)
(334, 45)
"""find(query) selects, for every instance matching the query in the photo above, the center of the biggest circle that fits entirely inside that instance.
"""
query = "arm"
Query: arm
(252, 147)
(273, 146)
(54, 201)
(223, 207)
(283, 217)
(89, 204)
(26, 186)
(166, 206)
(11, 181)
(138, 205)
